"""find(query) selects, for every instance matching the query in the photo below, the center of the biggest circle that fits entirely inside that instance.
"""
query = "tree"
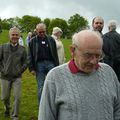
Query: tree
(5, 24)
(47, 22)
(57, 22)
(28, 23)
(76, 23)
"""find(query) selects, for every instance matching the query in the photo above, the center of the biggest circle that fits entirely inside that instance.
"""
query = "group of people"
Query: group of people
(44, 53)
(81, 89)
(85, 88)
(111, 46)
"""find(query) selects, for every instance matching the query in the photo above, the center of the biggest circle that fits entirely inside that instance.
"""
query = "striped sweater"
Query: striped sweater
(80, 96)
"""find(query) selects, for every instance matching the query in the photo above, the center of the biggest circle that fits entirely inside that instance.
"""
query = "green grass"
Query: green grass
(29, 100)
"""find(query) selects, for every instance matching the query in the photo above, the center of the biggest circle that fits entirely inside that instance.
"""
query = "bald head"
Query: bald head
(87, 38)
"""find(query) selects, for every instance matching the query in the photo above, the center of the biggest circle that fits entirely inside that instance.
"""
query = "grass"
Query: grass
(29, 99)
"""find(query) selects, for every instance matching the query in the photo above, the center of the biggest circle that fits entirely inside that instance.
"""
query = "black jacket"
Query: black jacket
(33, 51)
(111, 48)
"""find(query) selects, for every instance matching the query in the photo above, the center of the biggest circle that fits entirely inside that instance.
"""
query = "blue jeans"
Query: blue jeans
(42, 70)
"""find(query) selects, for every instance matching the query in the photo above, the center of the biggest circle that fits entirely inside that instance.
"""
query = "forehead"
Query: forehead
(98, 20)
(90, 42)
(40, 28)
(14, 31)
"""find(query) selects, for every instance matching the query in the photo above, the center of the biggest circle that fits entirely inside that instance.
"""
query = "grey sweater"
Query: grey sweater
(67, 96)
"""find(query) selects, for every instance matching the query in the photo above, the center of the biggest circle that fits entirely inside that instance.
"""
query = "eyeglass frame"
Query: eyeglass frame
(89, 56)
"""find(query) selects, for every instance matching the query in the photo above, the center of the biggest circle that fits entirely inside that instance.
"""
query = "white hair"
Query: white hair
(112, 24)
(41, 25)
(77, 36)
(56, 30)
(14, 29)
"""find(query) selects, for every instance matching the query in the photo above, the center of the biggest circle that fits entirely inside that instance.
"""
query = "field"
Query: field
(29, 101)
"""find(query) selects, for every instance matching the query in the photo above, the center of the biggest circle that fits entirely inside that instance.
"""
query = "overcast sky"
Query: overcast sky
(108, 9)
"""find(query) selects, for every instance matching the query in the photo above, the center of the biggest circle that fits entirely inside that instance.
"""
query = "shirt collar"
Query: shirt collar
(74, 69)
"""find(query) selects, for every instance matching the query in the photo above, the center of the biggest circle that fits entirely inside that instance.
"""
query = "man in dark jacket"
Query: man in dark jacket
(13, 62)
(42, 56)
(111, 47)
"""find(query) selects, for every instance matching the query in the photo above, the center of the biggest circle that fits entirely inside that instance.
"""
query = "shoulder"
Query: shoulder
(106, 35)
(6, 45)
(58, 71)
(106, 69)
(50, 38)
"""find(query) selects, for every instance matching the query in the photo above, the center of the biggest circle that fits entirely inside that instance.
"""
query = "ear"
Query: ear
(72, 50)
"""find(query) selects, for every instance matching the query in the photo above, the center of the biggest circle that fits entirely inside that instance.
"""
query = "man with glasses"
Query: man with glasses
(42, 55)
(83, 88)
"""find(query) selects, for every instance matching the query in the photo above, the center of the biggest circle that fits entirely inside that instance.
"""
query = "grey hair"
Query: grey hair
(112, 24)
(41, 25)
(75, 40)
(14, 29)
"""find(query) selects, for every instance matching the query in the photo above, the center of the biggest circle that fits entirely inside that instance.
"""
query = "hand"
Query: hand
(33, 72)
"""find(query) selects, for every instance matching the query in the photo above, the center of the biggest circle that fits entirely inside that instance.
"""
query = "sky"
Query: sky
(108, 9)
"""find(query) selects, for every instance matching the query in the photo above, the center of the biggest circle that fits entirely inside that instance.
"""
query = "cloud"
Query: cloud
(61, 9)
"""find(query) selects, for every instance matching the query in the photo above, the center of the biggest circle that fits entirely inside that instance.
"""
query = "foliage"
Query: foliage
(4, 37)
(28, 23)
(5, 24)
(76, 23)
(57, 22)
(47, 22)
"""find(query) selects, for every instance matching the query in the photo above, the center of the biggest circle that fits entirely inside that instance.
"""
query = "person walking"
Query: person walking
(13, 62)
(42, 56)
(111, 47)
(56, 34)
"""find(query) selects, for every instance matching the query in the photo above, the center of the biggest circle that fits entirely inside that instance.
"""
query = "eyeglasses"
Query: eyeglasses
(40, 32)
(89, 56)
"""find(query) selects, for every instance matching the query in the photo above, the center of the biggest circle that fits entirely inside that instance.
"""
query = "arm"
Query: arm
(31, 62)
(24, 61)
(117, 102)
(48, 109)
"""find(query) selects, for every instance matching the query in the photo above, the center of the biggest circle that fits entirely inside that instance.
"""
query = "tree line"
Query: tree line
(28, 23)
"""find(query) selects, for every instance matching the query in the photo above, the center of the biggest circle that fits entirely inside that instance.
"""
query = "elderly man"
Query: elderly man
(111, 47)
(13, 62)
(83, 88)
(42, 55)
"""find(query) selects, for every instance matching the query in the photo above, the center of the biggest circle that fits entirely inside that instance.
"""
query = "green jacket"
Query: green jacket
(12, 63)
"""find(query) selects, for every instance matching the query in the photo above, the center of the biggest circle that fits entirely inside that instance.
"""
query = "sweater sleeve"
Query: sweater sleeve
(48, 109)
(117, 101)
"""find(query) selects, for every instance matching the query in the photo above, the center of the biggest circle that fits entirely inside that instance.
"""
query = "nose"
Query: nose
(94, 60)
